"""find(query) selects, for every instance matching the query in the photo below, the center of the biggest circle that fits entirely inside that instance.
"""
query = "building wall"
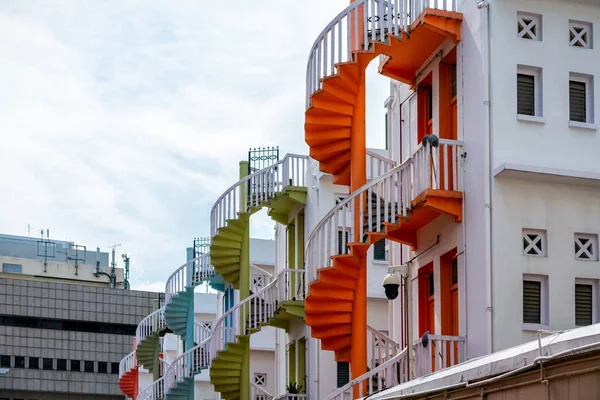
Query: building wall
(560, 210)
(552, 143)
(49, 304)
(263, 362)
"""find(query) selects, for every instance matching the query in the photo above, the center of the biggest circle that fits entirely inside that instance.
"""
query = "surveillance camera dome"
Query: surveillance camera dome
(391, 284)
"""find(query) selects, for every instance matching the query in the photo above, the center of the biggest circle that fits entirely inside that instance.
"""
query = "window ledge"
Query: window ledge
(531, 118)
(583, 125)
(380, 262)
(535, 327)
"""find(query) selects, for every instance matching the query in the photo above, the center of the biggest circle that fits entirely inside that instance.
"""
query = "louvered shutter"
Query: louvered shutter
(379, 250)
(583, 304)
(343, 373)
(525, 94)
(577, 101)
(341, 248)
(532, 299)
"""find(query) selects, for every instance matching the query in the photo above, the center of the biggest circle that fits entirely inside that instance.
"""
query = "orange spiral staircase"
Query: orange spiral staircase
(405, 36)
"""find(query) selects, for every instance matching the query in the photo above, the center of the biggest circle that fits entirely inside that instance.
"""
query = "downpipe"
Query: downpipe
(483, 6)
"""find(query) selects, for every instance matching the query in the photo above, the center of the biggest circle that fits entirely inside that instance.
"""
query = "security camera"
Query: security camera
(391, 284)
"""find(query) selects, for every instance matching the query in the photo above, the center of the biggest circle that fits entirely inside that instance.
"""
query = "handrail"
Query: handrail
(153, 322)
(259, 393)
(391, 188)
(378, 164)
(154, 391)
(201, 333)
(440, 351)
(391, 373)
(341, 37)
(288, 171)
(256, 309)
(186, 365)
(127, 363)
(194, 271)
(382, 347)
(382, 200)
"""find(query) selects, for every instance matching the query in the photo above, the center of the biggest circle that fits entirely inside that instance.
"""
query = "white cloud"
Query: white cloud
(123, 121)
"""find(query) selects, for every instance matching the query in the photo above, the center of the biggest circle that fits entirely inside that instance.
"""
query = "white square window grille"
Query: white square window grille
(260, 379)
(207, 325)
(259, 281)
(580, 34)
(586, 247)
(534, 243)
(529, 26)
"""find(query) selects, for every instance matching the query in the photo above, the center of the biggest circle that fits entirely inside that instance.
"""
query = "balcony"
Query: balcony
(435, 352)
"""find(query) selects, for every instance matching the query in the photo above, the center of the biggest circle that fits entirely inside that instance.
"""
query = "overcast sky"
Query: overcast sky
(122, 121)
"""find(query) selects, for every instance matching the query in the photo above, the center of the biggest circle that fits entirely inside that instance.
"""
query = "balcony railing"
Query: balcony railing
(127, 363)
(291, 396)
(437, 167)
(259, 393)
(436, 352)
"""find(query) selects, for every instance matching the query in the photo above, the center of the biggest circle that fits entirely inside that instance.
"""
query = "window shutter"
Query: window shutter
(343, 373)
(532, 300)
(525, 94)
(341, 248)
(577, 101)
(379, 250)
(583, 304)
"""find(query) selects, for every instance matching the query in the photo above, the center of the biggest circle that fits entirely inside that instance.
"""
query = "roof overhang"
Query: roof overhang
(548, 175)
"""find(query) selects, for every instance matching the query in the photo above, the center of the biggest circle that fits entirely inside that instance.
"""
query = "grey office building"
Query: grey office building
(64, 341)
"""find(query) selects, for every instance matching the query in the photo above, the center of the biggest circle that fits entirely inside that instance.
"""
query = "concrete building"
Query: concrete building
(65, 341)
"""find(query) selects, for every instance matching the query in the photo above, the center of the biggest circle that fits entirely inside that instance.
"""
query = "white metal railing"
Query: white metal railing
(383, 347)
(391, 373)
(153, 392)
(201, 332)
(383, 200)
(187, 365)
(259, 278)
(254, 189)
(127, 364)
(437, 352)
(378, 164)
(192, 273)
(361, 23)
(353, 29)
(437, 167)
(379, 201)
(259, 393)
(293, 396)
(151, 323)
(257, 309)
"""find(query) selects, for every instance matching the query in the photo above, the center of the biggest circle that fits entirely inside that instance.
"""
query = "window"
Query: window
(535, 301)
(5, 361)
(12, 268)
(379, 252)
(34, 363)
(343, 373)
(88, 366)
(453, 81)
(102, 367)
(529, 92)
(586, 247)
(76, 365)
(585, 297)
(47, 363)
(581, 98)
(529, 26)
(534, 242)
(19, 362)
(580, 34)
(114, 368)
(61, 364)
(343, 247)
(454, 278)
(260, 379)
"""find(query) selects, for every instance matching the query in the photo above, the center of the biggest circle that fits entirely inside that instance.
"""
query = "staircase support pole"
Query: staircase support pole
(244, 284)
(358, 147)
